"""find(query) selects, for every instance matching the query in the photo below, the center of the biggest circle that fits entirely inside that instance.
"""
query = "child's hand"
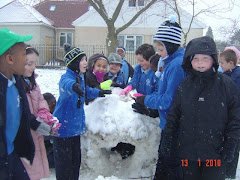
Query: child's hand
(126, 90)
(140, 99)
(45, 115)
(76, 87)
(105, 85)
(103, 92)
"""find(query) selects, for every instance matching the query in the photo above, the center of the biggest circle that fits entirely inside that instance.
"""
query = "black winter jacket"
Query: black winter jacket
(23, 143)
(205, 110)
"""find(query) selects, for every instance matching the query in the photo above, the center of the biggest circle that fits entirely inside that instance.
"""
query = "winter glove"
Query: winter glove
(119, 80)
(153, 113)
(229, 150)
(44, 129)
(76, 87)
(139, 108)
(45, 116)
(140, 99)
(126, 90)
(137, 94)
(105, 85)
(103, 92)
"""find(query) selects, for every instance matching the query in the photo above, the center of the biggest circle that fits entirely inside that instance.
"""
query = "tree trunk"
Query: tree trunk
(111, 40)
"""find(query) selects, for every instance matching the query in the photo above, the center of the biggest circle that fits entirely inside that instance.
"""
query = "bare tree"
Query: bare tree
(111, 40)
(196, 10)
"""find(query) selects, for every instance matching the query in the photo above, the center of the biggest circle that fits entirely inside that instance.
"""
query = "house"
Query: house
(62, 14)
(24, 19)
(91, 29)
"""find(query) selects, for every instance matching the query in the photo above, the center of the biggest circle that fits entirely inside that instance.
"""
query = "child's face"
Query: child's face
(114, 68)
(226, 66)
(161, 50)
(143, 62)
(18, 60)
(31, 64)
(202, 62)
(100, 65)
(83, 64)
(52, 105)
(121, 53)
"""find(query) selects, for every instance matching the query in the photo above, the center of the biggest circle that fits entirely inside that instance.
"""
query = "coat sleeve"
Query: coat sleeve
(134, 79)
(65, 86)
(92, 93)
(174, 115)
(233, 103)
(163, 101)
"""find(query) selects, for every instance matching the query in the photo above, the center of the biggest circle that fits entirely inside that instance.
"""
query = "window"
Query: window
(52, 8)
(133, 3)
(130, 42)
(140, 2)
(66, 38)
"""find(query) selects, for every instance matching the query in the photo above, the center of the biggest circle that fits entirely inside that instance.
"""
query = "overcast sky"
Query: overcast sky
(215, 21)
(219, 19)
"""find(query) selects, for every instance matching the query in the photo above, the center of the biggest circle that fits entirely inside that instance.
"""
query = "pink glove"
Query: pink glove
(126, 90)
(49, 119)
(45, 115)
(137, 94)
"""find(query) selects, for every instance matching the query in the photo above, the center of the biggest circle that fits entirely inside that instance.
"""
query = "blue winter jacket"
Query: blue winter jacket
(144, 83)
(71, 117)
(170, 78)
(235, 75)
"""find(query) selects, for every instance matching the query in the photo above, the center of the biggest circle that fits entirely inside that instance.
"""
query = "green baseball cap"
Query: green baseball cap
(9, 38)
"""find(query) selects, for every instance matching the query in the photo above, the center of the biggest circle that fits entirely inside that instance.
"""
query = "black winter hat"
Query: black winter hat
(73, 56)
(202, 45)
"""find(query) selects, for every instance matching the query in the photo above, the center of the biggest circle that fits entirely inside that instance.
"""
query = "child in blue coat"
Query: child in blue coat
(167, 41)
(70, 112)
(144, 79)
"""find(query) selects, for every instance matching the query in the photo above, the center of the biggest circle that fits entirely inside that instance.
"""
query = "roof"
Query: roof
(63, 12)
(17, 12)
(151, 18)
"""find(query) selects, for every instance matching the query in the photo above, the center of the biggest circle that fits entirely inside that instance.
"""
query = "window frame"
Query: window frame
(128, 38)
(66, 40)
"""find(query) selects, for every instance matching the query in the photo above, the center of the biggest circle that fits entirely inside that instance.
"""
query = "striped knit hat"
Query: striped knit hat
(169, 31)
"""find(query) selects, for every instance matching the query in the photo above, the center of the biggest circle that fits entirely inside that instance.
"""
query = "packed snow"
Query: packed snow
(111, 120)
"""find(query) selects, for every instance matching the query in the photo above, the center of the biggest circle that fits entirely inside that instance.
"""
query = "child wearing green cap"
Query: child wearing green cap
(15, 117)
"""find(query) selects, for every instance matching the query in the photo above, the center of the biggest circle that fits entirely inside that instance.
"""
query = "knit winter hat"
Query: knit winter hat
(234, 49)
(73, 56)
(169, 31)
(114, 58)
(122, 48)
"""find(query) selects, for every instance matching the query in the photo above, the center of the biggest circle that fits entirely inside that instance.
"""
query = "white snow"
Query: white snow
(111, 120)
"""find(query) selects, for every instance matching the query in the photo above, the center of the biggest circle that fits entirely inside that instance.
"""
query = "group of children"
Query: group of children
(199, 108)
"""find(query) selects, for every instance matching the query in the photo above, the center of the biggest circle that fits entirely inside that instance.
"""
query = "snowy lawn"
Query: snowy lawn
(48, 80)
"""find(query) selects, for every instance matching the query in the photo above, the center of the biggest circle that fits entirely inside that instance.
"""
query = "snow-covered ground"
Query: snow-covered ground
(139, 132)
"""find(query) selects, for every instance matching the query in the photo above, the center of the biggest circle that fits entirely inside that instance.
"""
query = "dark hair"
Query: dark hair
(32, 85)
(154, 60)
(48, 97)
(229, 55)
(12, 49)
(146, 50)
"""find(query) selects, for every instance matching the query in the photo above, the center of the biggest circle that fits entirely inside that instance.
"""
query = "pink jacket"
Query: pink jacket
(40, 167)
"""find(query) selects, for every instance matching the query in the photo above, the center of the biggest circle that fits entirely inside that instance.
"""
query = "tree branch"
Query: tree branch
(135, 17)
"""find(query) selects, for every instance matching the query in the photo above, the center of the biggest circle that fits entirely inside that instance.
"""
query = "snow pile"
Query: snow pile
(111, 120)
(107, 178)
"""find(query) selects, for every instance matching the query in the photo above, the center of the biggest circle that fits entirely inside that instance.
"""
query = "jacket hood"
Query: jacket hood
(93, 59)
(202, 45)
